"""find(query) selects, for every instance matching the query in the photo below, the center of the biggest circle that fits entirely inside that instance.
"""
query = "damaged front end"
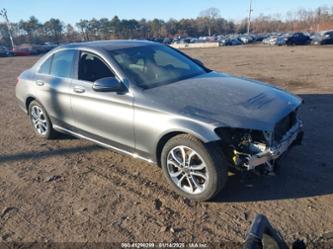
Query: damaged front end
(247, 149)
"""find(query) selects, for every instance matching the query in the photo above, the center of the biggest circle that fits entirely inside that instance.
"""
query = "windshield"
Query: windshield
(155, 65)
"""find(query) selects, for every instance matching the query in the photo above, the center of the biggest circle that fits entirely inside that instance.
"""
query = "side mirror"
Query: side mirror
(108, 84)
(199, 62)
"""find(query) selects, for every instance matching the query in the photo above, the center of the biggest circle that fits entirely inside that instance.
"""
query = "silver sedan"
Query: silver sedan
(155, 103)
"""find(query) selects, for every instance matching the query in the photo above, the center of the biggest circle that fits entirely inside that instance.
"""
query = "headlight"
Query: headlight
(236, 136)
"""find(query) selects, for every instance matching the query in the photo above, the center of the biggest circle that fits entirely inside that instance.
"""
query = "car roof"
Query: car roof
(109, 45)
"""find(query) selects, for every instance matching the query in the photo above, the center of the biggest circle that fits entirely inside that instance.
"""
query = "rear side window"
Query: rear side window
(62, 64)
(45, 67)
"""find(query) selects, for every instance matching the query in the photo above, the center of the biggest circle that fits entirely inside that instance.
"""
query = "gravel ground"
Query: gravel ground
(70, 190)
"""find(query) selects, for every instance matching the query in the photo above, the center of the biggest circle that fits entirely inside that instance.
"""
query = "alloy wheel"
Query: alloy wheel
(187, 169)
(39, 120)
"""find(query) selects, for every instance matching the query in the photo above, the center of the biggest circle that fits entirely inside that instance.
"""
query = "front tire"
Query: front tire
(40, 121)
(194, 169)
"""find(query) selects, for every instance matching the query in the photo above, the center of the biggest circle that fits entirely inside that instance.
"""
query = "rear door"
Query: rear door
(104, 116)
(53, 86)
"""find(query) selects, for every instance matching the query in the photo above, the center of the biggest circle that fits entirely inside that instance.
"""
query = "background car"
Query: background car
(230, 41)
(23, 51)
(5, 52)
(298, 38)
(316, 38)
(327, 38)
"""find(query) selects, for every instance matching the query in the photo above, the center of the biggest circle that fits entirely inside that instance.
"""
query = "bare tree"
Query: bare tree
(208, 22)
(210, 15)
(54, 28)
(83, 25)
(31, 28)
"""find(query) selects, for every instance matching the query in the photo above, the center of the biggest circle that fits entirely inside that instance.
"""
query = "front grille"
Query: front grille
(284, 125)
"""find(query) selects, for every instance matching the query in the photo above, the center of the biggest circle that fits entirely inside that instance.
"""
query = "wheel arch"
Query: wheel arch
(162, 141)
(166, 136)
(28, 100)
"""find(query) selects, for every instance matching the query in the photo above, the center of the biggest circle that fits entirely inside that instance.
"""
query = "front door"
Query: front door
(104, 116)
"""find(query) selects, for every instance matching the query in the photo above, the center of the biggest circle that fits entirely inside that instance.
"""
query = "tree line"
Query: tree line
(209, 22)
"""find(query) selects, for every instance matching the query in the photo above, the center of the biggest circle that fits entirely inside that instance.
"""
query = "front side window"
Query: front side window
(62, 64)
(155, 65)
(92, 68)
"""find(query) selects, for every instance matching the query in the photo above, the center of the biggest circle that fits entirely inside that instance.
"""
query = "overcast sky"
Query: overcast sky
(71, 11)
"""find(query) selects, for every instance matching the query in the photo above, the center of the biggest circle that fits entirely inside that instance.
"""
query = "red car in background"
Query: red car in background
(22, 51)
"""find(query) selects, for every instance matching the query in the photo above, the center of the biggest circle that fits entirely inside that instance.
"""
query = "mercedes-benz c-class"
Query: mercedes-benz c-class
(155, 103)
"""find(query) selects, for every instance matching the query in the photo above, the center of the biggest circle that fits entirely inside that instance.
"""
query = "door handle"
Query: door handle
(40, 83)
(79, 89)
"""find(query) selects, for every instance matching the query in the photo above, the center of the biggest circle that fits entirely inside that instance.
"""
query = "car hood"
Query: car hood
(225, 100)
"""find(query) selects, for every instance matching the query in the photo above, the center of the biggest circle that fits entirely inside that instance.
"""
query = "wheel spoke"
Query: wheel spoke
(34, 109)
(34, 112)
(179, 183)
(174, 157)
(175, 174)
(189, 180)
(40, 113)
(198, 174)
(39, 128)
(34, 115)
(182, 150)
(197, 184)
(173, 163)
(43, 127)
(189, 158)
(198, 167)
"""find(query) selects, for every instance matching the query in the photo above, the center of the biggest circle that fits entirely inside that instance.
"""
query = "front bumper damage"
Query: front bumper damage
(266, 157)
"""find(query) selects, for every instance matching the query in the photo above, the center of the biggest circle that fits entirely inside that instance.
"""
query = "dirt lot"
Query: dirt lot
(72, 190)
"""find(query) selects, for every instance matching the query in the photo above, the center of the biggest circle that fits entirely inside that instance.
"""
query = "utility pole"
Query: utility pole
(3, 13)
(249, 19)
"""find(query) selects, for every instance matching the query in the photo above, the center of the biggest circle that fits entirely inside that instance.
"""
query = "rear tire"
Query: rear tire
(201, 175)
(40, 121)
